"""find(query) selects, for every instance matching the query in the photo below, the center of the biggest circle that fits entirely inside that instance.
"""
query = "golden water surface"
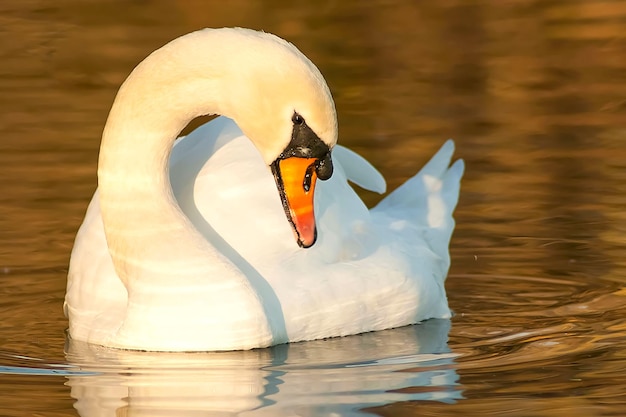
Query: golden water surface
(532, 91)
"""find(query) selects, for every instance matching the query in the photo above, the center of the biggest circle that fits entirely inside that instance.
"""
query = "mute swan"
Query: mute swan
(187, 247)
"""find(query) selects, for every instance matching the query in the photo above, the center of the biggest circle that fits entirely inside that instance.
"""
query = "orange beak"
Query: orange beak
(295, 178)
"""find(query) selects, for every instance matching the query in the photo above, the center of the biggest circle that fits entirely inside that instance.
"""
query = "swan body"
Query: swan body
(187, 247)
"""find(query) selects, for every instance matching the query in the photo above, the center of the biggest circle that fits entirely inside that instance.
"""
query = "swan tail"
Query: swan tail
(426, 201)
(436, 178)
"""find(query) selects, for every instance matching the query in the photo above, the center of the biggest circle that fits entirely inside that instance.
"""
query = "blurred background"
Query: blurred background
(532, 91)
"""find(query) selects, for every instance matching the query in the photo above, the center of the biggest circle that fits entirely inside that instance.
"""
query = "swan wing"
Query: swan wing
(358, 170)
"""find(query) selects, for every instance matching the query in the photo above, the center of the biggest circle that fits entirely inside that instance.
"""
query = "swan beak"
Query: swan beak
(295, 178)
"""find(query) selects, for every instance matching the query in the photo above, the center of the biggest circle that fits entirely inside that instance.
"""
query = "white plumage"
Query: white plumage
(210, 263)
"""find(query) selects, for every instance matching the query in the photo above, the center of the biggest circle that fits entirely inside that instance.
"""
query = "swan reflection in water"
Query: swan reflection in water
(340, 375)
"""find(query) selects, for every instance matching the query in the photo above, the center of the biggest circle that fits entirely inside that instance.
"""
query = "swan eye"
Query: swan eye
(297, 119)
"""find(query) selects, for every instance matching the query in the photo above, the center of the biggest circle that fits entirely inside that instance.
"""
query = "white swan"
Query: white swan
(198, 254)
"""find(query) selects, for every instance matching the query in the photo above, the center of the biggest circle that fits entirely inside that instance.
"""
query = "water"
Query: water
(533, 93)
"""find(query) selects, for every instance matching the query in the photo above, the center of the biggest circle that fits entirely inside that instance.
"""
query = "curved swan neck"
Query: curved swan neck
(257, 79)
(139, 211)
(153, 105)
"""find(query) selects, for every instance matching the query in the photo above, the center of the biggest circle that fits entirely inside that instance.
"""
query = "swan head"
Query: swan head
(296, 170)
(281, 101)
(274, 93)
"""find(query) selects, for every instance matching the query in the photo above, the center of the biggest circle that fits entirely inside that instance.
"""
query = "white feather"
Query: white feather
(212, 264)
